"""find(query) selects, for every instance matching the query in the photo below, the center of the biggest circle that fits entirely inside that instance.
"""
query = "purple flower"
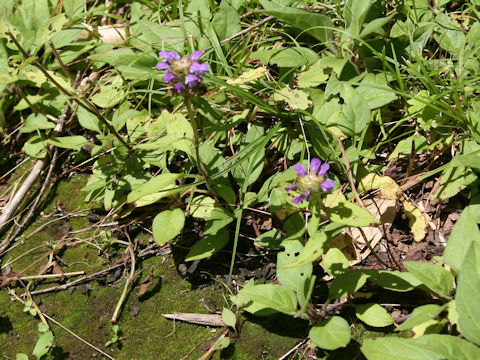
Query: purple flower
(183, 73)
(313, 182)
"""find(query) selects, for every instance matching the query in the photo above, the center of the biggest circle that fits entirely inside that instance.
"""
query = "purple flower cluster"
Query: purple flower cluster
(313, 181)
(182, 72)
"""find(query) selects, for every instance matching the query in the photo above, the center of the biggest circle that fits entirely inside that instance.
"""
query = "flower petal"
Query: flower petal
(298, 199)
(169, 56)
(199, 69)
(169, 77)
(163, 66)
(196, 55)
(327, 185)
(300, 169)
(192, 80)
(290, 187)
(307, 195)
(315, 165)
(323, 170)
(179, 87)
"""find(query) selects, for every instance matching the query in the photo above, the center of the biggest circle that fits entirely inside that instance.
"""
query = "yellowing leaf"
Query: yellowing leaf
(248, 76)
(388, 186)
(296, 99)
(416, 221)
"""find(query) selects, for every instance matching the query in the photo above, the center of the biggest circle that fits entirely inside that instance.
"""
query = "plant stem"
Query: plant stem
(196, 143)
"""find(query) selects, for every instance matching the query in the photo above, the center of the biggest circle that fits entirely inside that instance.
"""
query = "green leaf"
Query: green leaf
(375, 90)
(43, 345)
(272, 296)
(435, 277)
(219, 218)
(69, 142)
(468, 292)
(314, 248)
(463, 234)
(394, 280)
(227, 21)
(296, 99)
(88, 121)
(450, 37)
(167, 225)
(335, 262)
(293, 57)
(202, 207)
(21, 356)
(314, 76)
(317, 25)
(421, 315)
(375, 25)
(350, 214)
(154, 185)
(355, 113)
(36, 122)
(229, 318)
(427, 347)
(347, 283)
(331, 334)
(374, 315)
(110, 94)
(292, 278)
(208, 246)
(454, 180)
(222, 343)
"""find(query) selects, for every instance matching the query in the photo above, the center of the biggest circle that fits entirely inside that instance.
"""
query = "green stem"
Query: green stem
(196, 142)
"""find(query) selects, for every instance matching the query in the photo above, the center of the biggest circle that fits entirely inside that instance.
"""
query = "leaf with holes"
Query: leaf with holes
(292, 278)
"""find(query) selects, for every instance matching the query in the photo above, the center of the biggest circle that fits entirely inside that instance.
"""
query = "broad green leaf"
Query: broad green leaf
(374, 315)
(335, 262)
(208, 246)
(226, 21)
(304, 295)
(347, 283)
(110, 94)
(222, 343)
(355, 112)
(449, 35)
(421, 315)
(167, 225)
(404, 146)
(88, 121)
(296, 99)
(350, 214)
(331, 334)
(272, 296)
(394, 280)
(435, 277)
(69, 142)
(375, 90)
(21, 356)
(36, 122)
(463, 234)
(154, 185)
(376, 25)
(314, 76)
(294, 226)
(294, 57)
(292, 278)
(468, 292)
(454, 180)
(317, 25)
(314, 248)
(427, 347)
(229, 318)
(202, 207)
(44, 342)
(219, 218)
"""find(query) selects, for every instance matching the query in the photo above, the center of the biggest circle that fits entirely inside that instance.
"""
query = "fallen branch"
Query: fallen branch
(198, 319)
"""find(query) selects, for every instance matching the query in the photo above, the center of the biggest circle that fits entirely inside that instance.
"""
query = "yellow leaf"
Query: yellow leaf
(416, 221)
(388, 187)
(248, 76)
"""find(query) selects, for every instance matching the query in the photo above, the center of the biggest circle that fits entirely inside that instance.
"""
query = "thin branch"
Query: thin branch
(113, 320)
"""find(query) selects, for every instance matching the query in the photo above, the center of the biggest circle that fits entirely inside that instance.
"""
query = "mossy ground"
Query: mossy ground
(87, 310)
